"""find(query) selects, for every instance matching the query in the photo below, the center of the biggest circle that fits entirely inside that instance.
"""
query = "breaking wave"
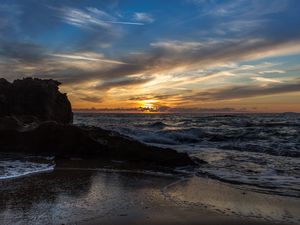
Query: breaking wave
(259, 150)
(14, 166)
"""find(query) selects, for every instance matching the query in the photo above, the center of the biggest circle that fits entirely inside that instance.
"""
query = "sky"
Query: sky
(158, 56)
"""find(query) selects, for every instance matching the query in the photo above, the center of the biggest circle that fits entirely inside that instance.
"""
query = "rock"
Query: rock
(10, 123)
(63, 140)
(35, 119)
(36, 98)
(124, 148)
(19, 123)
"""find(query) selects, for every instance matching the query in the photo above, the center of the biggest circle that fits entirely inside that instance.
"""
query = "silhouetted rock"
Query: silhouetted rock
(62, 140)
(35, 117)
(10, 123)
(34, 97)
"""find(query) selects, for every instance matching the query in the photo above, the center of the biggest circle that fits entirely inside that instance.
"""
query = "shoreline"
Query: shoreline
(89, 197)
(173, 216)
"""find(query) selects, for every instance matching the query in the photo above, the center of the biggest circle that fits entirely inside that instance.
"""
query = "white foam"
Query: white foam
(256, 149)
(11, 169)
(25, 174)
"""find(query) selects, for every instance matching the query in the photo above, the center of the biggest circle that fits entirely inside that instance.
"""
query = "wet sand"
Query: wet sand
(88, 197)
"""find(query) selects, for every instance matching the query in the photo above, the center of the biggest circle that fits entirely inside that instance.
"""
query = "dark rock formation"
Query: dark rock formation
(63, 140)
(34, 97)
(10, 123)
(26, 104)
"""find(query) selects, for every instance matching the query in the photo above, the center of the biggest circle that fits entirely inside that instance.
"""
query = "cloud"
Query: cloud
(272, 71)
(200, 2)
(178, 60)
(179, 46)
(173, 55)
(98, 29)
(92, 99)
(241, 27)
(143, 17)
(151, 97)
(9, 23)
(245, 8)
(267, 80)
(91, 18)
(89, 50)
(87, 57)
(22, 52)
(128, 81)
(160, 58)
(245, 91)
(242, 18)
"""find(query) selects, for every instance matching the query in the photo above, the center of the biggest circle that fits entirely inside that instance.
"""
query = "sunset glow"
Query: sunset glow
(148, 107)
(150, 112)
(159, 55)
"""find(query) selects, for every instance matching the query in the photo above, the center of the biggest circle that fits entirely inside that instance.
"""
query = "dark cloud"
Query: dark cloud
(162, 57)
(22, 52)
(95, 27)
(227, 93)
(92, 99)
(170, 55)
(150, 97)
(246, 91)
(124, 82)
(93, 109)
(165, 56)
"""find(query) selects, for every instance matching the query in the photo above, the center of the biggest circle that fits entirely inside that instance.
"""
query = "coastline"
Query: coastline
(92, 196)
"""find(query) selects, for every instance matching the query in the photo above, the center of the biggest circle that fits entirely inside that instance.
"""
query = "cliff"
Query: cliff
(35, 97)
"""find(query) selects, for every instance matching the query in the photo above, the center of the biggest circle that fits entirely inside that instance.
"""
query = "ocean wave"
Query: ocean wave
(267, 149)
(267, 186)
(11, 168)
(271, 174)
(179, 136)
(246, 144)
(283, 142)
(158, 124)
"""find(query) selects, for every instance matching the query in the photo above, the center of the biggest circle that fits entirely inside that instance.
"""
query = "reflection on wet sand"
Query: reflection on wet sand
(231, 200)
(68, 196)
(73, 195)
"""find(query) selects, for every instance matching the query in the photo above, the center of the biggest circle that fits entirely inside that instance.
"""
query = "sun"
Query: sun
(148, 106)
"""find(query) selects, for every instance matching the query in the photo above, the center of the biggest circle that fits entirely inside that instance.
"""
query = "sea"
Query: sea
(259, 152)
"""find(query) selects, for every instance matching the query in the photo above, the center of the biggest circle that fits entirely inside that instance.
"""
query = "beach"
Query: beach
(83, 195)
(144, 112)
(227, 170)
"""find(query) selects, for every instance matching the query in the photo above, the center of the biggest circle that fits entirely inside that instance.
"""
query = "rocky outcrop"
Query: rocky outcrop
(36, 98)
(62, 140)
(35, 119)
